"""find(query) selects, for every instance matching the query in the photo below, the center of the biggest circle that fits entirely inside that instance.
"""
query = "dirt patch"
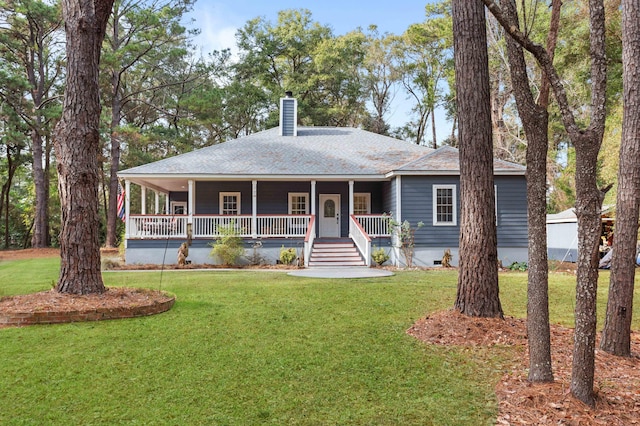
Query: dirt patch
(617, 382)
(29, 253)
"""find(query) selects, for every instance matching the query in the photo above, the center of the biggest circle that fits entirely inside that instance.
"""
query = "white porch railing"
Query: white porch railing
(283, 225)
(157, 226)
(375, 225)
(360, 238)
(208, 226)
(308, 240)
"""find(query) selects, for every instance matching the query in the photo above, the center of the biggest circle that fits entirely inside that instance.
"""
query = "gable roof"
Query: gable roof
(446, 160)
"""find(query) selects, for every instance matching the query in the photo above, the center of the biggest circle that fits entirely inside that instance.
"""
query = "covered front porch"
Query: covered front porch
(259, 211)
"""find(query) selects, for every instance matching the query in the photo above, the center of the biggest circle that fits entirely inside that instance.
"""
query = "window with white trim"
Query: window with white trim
(178, 207)
(444, 205)
(298, 203)
(230, 203)
(362, 203)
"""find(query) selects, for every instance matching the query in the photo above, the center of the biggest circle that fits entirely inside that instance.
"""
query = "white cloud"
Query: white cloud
(218, 26)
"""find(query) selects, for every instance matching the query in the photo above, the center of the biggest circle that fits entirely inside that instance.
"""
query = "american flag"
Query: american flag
(121, 196)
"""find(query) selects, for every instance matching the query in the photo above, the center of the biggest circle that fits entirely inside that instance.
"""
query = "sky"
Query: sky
(219, 20)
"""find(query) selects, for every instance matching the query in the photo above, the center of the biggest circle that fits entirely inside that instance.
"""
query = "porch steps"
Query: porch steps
(335, 253)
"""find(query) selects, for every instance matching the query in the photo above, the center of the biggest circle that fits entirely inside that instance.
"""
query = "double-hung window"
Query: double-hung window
(298, 203)
(361, 203)
(444, 205)
(230, 203)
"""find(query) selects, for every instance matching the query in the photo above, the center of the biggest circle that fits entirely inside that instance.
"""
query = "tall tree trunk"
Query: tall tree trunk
(616, 336)
(116, 108)
(41, 217)
(478, 276)
(433, 129)
(535, 120)
(77, 145)
(588, 197)
(112, 211)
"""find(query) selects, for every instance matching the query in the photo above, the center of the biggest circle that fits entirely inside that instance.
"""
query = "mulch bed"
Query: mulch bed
(617, 382)
(52, 307)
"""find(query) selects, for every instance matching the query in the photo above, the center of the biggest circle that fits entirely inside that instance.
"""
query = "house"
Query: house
(562, 234)
(328, 192)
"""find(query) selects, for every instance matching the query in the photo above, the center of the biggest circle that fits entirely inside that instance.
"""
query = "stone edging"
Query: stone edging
(19, 319)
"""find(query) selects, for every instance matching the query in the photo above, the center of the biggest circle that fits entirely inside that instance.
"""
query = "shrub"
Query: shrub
(288, 255)
(228, 247)
(379, 256)
(518, 266)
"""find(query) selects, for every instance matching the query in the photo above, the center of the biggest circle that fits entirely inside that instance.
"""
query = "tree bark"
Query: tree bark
(589, 198)
(78, 148)
(535, 120)
(616, 336)
(478, 293)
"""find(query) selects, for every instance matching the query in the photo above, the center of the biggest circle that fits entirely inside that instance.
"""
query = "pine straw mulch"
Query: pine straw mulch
(617, 381)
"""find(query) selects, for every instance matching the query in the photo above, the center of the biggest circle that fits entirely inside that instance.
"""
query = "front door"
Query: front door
(329, 216)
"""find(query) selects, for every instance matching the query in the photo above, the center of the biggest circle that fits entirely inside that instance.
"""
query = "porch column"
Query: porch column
(350, 198)
(157, 206)
(127, 209)
(313, 197)
(254, 209)
(166, 204)
(398, 218)
(143, 199)
(190, 218)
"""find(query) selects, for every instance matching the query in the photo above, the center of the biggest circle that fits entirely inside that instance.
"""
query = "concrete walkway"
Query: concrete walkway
(344, 272)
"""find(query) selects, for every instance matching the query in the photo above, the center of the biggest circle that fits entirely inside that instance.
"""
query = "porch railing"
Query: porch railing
(309, 239)
(360, 238)
(283, 225)
(157, 226)
(375, 225)
(209, 226)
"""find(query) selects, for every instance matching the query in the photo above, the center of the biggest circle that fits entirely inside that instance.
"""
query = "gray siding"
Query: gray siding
(417, 205)
(273, 197)
(512, 211)
(375, 189)
(208, 196)
(389, 196)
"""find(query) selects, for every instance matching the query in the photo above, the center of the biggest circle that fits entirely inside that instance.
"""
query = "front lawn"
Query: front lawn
(242, 348)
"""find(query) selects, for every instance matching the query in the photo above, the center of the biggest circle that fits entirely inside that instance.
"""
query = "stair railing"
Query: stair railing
(361, 239)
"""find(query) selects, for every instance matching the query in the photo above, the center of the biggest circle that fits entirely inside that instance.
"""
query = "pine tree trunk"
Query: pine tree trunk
(77, 146)
(535, 120)
(478, 266)
(616, 336)
(41, 223)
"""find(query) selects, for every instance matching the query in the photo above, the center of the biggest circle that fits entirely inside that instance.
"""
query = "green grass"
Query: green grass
(245, 348)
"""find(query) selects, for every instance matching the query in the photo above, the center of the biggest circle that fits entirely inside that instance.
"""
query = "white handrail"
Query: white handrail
(308, 240)
(360, 238)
